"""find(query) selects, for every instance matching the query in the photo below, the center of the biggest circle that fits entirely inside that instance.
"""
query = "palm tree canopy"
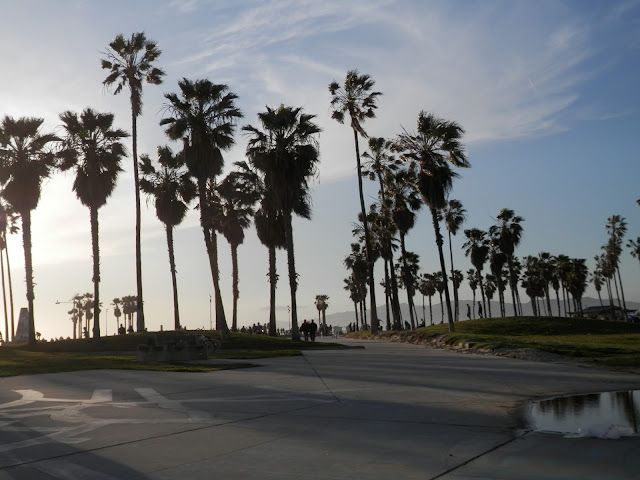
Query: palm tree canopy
(237, 201)
(507, 231)
(171, 186)
(433, 149)
(130, 62)
(25, 160)
(203, 117)
(286, 152)
(95, 149)
(355, 99)
(454, 215)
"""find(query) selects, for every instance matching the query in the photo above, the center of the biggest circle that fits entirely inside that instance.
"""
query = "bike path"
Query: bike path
(383, 411)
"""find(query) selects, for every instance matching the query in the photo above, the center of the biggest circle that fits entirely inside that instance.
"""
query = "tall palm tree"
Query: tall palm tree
(94, 149)
(130, 64)
(403, 201)
(472, 278)
(25, 160)
(356, 100)
(285, 150)
(237, 200)
(477, 249)
(8, 225)
(454, 215)
(508, 232)
(432, 150)
(172, 190)
(617, 229)
(204, 118)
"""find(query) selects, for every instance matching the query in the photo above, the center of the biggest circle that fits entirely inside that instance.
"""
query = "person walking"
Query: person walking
(480, 310)
(304, 328)
(468, 312)
(313, 327)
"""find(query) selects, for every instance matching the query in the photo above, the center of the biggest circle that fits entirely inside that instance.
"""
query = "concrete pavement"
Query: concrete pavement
(385, 411)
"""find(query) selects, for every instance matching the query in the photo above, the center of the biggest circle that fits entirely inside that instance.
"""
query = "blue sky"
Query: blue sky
(546, 92)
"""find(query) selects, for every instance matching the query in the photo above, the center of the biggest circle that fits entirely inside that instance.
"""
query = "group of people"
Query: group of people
(309, 330)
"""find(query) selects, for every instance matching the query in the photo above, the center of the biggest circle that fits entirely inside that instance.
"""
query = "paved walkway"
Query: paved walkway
(385, 411)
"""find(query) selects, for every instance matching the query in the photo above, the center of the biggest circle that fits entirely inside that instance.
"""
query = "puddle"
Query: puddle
(570, 414)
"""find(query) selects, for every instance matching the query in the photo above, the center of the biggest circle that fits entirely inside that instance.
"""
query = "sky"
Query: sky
(546, 92)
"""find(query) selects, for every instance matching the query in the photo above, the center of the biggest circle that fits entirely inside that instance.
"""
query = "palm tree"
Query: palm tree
(203, 118)
(171, 189)
(381, 164)
(472, 278)
(25, 160)
(322, 305)
(508, 232)
(286, 152)
(130, 64)
(432, 151)
(94, 149)
(634, 246)
(427, 286)
(237, 199)
(355, 99)
(477, 248)
(617, 229)
(454, 216)
(116, 302)
(356, 263)
(8, 225)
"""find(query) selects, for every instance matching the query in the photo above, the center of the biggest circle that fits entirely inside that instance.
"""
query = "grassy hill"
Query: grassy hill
(596, 342)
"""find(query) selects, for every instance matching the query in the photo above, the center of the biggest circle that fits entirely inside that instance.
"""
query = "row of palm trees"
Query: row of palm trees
(537, 275)
(272, 185)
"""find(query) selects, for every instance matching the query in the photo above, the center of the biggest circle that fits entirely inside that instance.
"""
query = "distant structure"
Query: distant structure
(22, 332)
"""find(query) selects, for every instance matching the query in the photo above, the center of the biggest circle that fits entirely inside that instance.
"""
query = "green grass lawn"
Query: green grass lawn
(599, 342)
(118, 352)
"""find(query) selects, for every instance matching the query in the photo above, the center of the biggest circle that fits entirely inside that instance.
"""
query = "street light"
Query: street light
(210, 317)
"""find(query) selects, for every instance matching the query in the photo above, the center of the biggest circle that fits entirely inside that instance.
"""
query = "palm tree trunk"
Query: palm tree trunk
(28, 266)
(236, 291)
(6, 252)
(624, 303)
(387, 293)
(273, 280)
(395, 301)
(367, 241)
(293, 276)
(211, 243)
(140, 325)
(512, 286)
(407, 282)
(174, 281)
(456, 307)
(443, 267)
(430, 312)
(4, 300)
(93, 213)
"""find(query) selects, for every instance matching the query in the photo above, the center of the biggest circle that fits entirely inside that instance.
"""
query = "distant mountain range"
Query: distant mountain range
(345, 318)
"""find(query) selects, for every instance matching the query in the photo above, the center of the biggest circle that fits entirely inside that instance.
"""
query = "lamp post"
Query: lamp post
(72, 301)
(210, 317)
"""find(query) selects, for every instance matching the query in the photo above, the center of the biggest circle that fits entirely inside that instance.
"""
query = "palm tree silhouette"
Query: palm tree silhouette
(8, 225)
(454, 216)
(171, 189)
(25, 160)
(286, 152)
(356, 100)
(432, 151)
(130, 64)
(508, 233)
(237, 199)
(203, 117)
(94, 149)
(477, 248)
